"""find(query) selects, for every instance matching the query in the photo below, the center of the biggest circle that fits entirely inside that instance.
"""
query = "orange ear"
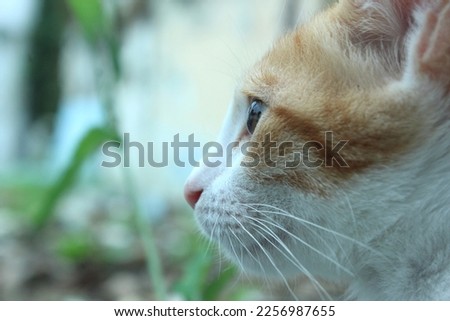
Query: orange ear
(433, 48)
(403, 9)
(379, 23)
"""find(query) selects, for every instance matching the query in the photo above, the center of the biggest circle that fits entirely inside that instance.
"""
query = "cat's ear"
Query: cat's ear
(386, 27)
(378, 22)
(430, 52)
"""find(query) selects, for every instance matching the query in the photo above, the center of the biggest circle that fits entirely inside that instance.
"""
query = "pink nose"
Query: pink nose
(192, 195)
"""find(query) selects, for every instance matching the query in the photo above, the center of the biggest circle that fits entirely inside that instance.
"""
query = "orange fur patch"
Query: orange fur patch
(315, 80)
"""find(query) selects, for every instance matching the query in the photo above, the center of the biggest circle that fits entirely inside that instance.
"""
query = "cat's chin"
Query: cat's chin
(255, 253)
(262, 259)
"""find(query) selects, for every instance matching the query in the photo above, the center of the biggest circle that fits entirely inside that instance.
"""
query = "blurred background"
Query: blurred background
(77, 73)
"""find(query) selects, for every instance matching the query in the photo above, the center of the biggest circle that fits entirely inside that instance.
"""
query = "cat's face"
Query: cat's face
(337, 93)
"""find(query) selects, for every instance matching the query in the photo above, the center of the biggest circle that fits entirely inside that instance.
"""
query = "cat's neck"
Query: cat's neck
(407, 226)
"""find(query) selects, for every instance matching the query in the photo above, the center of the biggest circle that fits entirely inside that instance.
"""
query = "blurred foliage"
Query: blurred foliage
(97, 28)
(189, 270)
(90, 15)
(196, 283)
(186, 269)
(43, 65)
(75, 247)
(90, 144)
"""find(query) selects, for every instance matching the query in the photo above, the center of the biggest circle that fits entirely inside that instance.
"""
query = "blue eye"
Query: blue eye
(254, 113)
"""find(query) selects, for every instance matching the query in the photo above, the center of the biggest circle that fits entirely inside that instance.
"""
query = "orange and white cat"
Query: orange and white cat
(373, 76)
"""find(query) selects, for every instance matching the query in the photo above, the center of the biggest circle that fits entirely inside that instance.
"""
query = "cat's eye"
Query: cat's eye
(254, 113)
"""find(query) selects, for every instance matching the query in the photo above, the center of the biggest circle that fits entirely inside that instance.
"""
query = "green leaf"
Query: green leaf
(87, 146)
(195, 276)
(89, 14)
(96, 27)
(75, 247)
(214, 289)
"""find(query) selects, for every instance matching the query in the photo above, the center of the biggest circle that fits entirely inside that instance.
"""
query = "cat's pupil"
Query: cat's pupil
(254, 113)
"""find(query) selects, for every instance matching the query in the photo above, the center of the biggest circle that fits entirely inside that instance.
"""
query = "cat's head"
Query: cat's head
(328, 132)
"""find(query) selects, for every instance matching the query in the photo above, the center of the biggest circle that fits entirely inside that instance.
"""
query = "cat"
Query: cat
(365, 86)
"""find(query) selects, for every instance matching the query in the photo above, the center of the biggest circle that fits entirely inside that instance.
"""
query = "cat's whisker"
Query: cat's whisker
(269, 232)
(219, 243)
(257, 260)
(247, 250)
(301, 220)
(319, 288)
(238, 258)
(210, 238)
(280, 211)
(268, 257)
(211, 243)
(320, 237)
(240, 262)
(308, 245)
(352, 213)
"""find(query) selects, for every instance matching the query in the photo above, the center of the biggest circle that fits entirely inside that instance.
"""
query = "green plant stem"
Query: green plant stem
(145, 230)
(96, 27)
